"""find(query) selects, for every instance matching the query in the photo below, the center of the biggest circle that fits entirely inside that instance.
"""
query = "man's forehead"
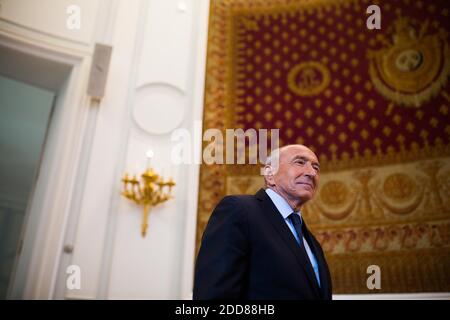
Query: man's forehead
(294, 151)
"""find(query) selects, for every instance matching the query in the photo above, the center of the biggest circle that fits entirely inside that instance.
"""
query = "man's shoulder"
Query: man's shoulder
(241, 202)
(239, 197)
(243, 198)
(246, 197)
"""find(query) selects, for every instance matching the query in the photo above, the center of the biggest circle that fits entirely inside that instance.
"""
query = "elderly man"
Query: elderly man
(258, 246)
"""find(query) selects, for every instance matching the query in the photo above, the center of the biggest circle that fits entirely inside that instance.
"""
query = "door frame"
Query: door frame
(36, 268)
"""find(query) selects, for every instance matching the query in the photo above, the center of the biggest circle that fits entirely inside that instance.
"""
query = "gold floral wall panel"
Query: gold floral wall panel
(373, 104)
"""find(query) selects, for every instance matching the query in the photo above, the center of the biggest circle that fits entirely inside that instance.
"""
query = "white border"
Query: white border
(394, 296)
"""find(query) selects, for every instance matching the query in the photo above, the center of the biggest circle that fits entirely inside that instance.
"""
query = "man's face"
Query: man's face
(298, 173)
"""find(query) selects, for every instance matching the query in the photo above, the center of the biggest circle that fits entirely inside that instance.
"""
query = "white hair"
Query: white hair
(272, 163)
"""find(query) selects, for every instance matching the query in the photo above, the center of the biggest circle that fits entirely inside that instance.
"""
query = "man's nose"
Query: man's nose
(310, 171)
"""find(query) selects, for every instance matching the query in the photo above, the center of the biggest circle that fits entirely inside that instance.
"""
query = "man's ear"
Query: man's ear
(268, 175)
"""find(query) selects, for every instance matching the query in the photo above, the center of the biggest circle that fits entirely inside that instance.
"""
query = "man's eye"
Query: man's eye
(301, 162)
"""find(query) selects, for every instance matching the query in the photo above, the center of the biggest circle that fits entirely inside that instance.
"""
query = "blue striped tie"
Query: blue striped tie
(297, 222)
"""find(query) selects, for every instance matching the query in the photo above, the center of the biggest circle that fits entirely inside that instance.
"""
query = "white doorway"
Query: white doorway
(43, 111)
(25, 115)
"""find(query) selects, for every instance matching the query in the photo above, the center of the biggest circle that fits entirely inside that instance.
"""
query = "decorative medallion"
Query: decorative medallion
(413, 67)
(308, 78)
(399, 187)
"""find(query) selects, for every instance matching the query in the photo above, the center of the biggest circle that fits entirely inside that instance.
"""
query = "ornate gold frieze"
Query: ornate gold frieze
(387, 209)
(414, 67)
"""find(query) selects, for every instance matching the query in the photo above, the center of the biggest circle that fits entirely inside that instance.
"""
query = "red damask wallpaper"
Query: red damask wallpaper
(373, 104)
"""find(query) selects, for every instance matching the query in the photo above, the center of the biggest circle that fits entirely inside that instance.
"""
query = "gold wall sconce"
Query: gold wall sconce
(150, 191)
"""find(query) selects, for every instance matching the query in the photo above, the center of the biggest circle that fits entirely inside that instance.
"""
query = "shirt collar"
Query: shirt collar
(283, 207)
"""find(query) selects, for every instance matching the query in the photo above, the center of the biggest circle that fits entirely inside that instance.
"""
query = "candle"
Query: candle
(149, 155)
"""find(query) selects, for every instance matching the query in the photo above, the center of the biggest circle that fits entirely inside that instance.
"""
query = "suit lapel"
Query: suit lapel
(323, 269)
(277, 221)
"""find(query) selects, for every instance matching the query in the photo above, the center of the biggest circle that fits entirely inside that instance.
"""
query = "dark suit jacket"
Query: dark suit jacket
(248, 252)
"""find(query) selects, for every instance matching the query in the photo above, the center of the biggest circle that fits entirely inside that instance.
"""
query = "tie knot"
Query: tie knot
(295, 218)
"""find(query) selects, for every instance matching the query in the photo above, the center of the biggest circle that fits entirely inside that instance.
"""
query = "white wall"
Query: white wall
(155, 85)
(167, 94)
(50, 17)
